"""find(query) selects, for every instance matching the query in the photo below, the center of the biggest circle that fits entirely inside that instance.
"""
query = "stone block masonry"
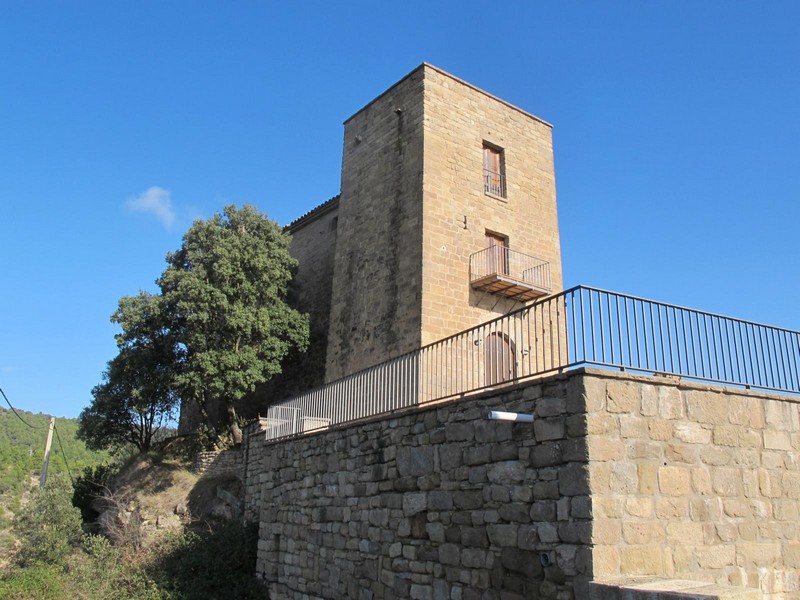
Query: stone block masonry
(225, 462)
(437, 503)
(620, 477)
(694, 482)
(414, 208)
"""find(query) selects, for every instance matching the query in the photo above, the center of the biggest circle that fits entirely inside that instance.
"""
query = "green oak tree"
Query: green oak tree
(225, 293)
(138, 395)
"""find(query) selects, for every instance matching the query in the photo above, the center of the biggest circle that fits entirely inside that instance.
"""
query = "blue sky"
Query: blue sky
(676, 131)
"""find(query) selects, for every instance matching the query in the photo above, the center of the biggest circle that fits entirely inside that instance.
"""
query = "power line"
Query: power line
(58, 436)
(64, 455)
(14, 410)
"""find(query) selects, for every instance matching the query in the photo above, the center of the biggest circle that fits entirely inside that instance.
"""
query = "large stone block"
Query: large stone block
(415, 461)
(692, 433)
(683, 533)
(777, 440)
(633, 426)
(781, 415)
(623, 478)
(593, 398)
(641, 560)
(639, 507)
(643, 532)
(727, 481)
(707, 407)
(605, 449)
(414, 502)
(459, 432)
(549, 429)
(623, 397)
(606, 531)
(670, 403)
(602, 424)
(674, 481)
(573, 480)
(661, 430)
(503, 535)
(440, 500)
(506, 472)
(605, 561)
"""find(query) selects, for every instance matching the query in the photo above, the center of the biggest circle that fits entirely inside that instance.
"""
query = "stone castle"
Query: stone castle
(624, 487)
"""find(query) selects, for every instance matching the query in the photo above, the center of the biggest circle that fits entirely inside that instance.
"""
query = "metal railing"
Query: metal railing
(494, 183)
(577, 327)
(616, 330)
(500, 260)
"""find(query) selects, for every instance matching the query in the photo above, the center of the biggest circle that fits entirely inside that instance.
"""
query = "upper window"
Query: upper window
(494, 180)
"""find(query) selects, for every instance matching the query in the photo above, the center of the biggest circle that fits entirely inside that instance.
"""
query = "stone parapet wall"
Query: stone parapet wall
(695, 482)
(254, 451)
(436, 503)
(219, 463)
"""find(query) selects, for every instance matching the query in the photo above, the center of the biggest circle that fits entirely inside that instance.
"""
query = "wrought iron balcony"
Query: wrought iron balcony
(502, 271)
(494, 183)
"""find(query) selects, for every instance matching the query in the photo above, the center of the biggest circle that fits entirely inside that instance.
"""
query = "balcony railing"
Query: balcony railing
(494, 183)
(581, 326)
(500, 270)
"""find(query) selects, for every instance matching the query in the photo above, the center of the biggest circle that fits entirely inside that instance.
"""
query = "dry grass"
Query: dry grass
(153, 484)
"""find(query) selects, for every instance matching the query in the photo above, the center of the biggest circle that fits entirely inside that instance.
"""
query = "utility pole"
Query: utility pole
(47, 444)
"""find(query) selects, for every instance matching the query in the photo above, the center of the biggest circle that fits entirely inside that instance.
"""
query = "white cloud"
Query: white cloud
(154, 200)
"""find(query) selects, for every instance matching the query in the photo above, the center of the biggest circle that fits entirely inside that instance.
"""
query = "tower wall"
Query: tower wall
(457, 212)
(375, 306)
(414, 208)
(314, 246)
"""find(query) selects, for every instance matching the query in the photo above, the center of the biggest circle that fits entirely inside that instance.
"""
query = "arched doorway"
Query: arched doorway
(500, 358)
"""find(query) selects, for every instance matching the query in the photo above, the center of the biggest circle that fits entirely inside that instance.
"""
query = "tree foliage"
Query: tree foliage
(137, 396)
(225, 293)
(220, 326)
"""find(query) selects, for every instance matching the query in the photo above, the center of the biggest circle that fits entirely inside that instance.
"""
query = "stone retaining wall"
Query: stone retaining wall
(219, 463)
(695, 482)
(437, 503)
(619, 477)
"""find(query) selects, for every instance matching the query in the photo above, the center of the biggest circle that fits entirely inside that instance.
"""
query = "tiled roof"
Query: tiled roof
(314, 213)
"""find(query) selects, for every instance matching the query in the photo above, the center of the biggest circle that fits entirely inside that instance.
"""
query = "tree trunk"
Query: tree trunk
(233, 424)
(212, 431)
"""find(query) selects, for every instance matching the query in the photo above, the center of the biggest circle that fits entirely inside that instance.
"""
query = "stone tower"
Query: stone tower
(447, 218)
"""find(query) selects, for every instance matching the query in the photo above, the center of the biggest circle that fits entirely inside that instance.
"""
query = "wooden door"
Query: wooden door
(496, 254)
(500, 359)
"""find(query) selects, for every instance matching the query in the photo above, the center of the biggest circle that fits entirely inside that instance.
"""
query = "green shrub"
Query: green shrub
(39, 582)
(48, 526)
(218, 564)
(108, 573)
(89, 487)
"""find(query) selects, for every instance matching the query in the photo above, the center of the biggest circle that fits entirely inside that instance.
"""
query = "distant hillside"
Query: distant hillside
(22, 452)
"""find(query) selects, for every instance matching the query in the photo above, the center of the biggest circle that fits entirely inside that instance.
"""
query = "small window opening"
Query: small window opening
(494, 181)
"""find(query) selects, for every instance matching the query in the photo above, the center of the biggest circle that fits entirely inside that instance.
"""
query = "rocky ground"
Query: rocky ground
(150, 496)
